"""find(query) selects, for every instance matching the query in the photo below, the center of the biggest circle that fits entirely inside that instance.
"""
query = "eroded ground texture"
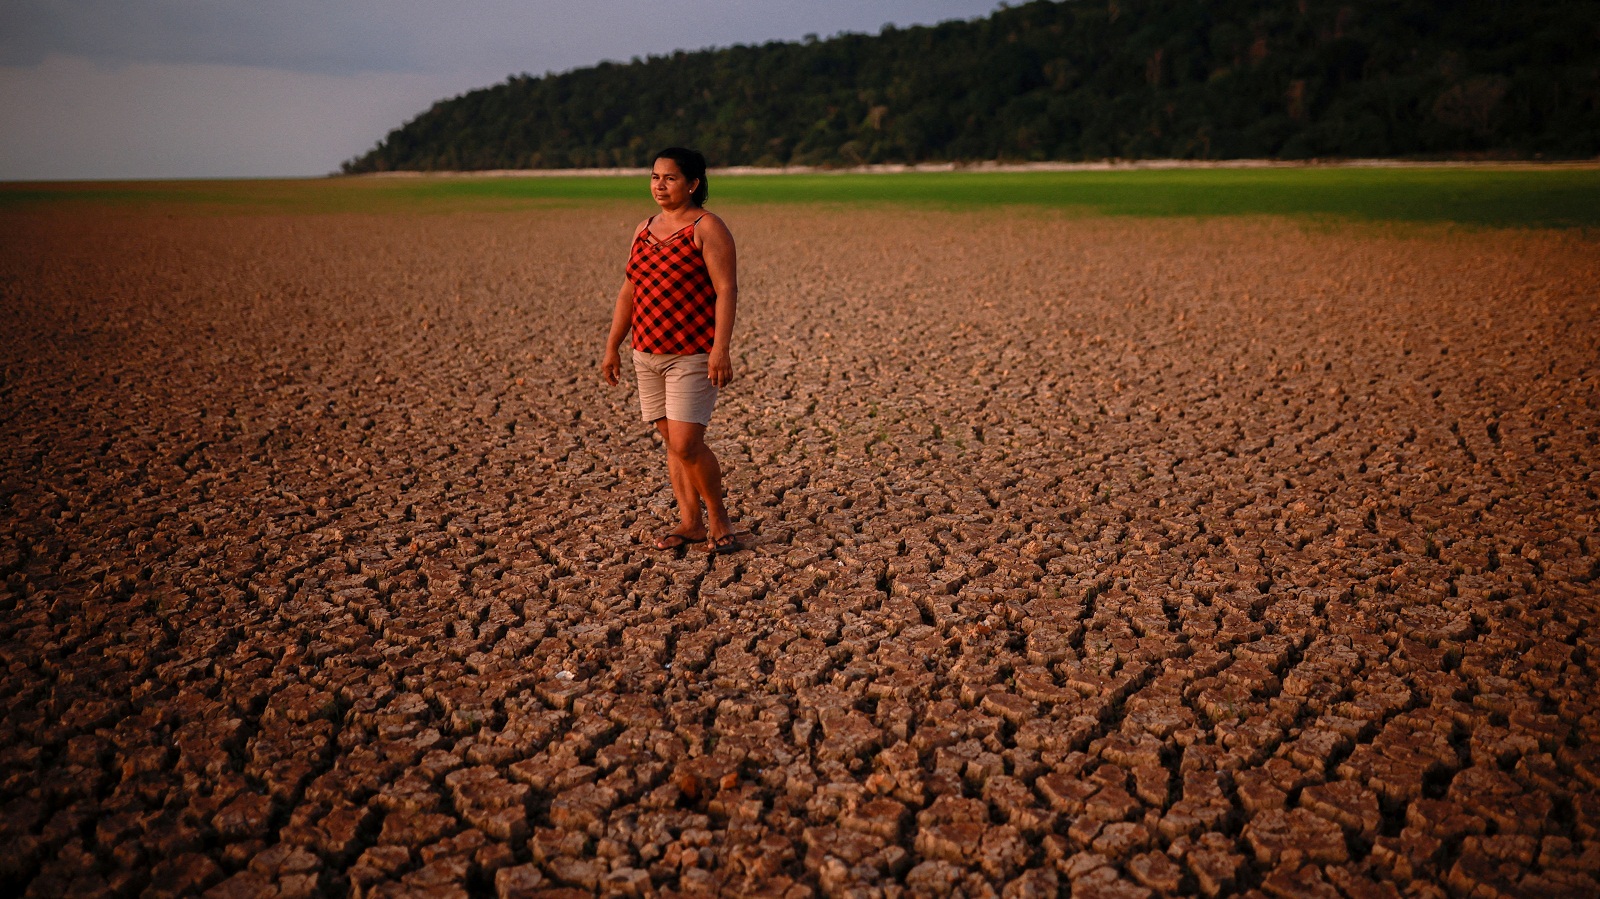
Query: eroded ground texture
(1115, 558)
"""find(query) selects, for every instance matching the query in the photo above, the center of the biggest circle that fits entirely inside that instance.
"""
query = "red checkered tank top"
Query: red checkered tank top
(674, 302)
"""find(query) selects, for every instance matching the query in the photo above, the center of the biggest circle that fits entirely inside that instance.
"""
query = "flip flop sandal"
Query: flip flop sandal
(727, 543)
(673, 542)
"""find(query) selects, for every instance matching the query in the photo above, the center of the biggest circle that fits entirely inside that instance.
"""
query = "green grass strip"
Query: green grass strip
(1489, 196)
(1493, 197)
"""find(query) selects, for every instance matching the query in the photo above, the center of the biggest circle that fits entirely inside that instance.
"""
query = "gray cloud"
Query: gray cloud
(228, 88)
(69, 119)
(294, 35)
(358, 36)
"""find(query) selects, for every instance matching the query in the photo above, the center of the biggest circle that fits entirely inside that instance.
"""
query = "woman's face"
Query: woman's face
(667, 184)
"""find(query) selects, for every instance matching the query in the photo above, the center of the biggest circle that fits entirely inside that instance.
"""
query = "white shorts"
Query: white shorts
(673, 387)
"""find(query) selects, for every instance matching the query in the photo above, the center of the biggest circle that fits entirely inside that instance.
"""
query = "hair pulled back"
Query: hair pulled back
(693, 166)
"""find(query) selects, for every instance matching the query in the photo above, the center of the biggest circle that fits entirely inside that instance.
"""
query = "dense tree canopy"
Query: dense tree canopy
(1082, 79)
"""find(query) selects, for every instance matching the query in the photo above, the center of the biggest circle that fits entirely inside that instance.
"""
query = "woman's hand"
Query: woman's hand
(611, 366)
(719, 367)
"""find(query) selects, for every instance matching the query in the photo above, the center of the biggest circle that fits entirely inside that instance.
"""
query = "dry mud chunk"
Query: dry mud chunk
(377, 865)
(1214, 869)
(519, 882)
(1111, 803)
(1347, 804)
(413, 829)
(880, 817)
(1156, 870)
(578, 872)
(1315, 746)
(182, 875)
(1120, 840)
(1289, 838)
(1065, 793)
(1018, 805)
(1355, 883)
(547, 844)
(1258, 792)
(837, 850)
(1129, 751)
(1484, 876)
(1407, 856)
(1290, 882)
(1039, 883)
(955, 842)
(1009, 706)
(1495, 796)
(490, 803)
(934, 878)
(1104, 883)
(847, 735)
(1003, 852)
(1395, 771)
(292, 871)
(246, 816)
(998, 850)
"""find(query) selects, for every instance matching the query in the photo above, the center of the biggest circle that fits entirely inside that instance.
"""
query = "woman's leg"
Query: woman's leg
(689, 523)
(686, 445)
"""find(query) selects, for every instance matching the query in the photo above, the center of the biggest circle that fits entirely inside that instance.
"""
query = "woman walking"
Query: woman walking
(678, 301)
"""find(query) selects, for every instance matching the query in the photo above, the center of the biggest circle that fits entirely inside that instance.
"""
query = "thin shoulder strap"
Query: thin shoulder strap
(694, 236)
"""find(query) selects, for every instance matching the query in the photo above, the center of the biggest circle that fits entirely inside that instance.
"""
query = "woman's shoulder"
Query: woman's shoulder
(710, 222)
(639, 229)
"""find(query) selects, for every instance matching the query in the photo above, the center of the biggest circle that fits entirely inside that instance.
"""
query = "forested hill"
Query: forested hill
(1188, 79)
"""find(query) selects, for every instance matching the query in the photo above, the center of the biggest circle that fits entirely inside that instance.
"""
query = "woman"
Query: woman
(678, 300)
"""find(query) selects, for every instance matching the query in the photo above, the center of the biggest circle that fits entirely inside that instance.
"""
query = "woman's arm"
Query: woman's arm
(621, 318)
(722, 263)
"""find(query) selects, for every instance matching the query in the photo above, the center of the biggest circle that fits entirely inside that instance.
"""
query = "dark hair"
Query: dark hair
(693, 167)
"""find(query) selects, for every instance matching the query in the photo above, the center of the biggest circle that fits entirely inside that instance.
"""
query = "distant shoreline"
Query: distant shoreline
(998, 167)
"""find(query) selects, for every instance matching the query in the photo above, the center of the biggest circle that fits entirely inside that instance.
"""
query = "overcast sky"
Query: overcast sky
(241, 88)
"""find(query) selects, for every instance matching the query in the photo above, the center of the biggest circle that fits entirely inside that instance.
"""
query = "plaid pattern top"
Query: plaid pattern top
(674, 302)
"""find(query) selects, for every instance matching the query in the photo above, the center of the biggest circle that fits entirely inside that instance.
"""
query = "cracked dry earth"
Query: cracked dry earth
(1111, 558)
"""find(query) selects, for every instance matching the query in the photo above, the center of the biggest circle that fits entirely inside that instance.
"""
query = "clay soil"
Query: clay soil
(1125, 557)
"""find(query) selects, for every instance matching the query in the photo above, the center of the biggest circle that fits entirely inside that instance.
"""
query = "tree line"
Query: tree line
(1075, 80)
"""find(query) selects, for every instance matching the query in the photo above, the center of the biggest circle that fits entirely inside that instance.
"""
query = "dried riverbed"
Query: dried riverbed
(1144, 557)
